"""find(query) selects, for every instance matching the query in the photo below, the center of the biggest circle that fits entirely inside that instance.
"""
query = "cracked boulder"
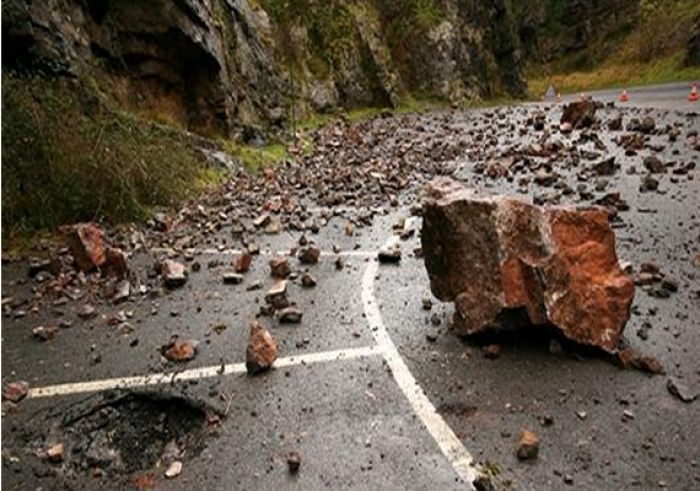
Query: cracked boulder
(501, 260)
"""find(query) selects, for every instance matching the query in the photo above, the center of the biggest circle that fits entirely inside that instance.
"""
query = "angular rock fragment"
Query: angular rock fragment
(177, 350)
(277, 295)
(261, 352)
(279, 267)
(528, 446)
(174, 274)
(307, 280)
(115, 263)
(309, 254)
(231, 278)
(55, 453)
(86, 242)
(497, 256)
(389, 254)
(243, 262)
(579, 114)
(290, 315)
(15, 391)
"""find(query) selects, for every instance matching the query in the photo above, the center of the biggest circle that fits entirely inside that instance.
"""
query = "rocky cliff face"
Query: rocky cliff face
(203, 63)
(218, 66)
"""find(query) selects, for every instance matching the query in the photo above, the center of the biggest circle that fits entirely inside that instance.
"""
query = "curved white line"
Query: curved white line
(451, 446)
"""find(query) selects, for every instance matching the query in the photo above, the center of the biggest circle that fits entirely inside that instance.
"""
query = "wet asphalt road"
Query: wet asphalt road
(672, 96)
(348, 419)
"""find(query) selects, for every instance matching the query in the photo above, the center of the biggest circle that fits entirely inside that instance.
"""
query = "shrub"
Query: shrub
(68, 156)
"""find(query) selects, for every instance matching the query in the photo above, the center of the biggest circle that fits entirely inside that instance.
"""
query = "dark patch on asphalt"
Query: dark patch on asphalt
(113, 436)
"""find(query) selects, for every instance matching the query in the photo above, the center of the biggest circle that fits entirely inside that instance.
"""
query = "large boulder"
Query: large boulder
(495, 256)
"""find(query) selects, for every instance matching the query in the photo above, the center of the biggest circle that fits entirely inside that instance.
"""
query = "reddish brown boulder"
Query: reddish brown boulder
(86, 242)
(497, 255)
(261, 352)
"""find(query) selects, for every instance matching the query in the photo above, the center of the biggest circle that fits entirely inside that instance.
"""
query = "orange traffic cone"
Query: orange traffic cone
(623, 96)
(693, 97)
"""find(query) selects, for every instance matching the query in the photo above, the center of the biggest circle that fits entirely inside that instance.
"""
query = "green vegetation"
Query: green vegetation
(68, 156)
(255, 158)
(667, 69)
(649, 50)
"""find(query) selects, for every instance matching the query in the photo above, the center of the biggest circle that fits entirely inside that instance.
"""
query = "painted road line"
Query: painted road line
(233, 252)
(196, 373)
(451, 446)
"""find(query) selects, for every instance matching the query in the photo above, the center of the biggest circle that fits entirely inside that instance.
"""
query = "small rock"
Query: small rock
(87, 311)
(15, 391)
(243, 262)
(44, 333)
(390, 255)
(123, 291)
(290, 315)
(55, 453)
(115, 263)
(261, 351)
(483, 483)
(174, 274)
(174, 470)
(307, 280)
(339, 263)
(654, 165)
(309, 254)
(277, 295)
(293, 462)
(680, 391)
(86, 243)
(180, 350)
(427, 303)
(279, 267)
(492, 351)
(231, 278)
(528, 446)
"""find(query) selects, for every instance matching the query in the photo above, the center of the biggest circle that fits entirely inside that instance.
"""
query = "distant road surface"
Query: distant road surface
(672, 96)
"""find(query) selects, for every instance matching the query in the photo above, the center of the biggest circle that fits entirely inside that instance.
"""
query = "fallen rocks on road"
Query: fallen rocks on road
(243, 262)
(261, 352)
(528, 446)
(579, 114)
(177, 350)
(290, 315)
(389, 254)
(174, 274)
(279, 267)
(15, 391)
(87, 245)
(497, 255)
(309, 254)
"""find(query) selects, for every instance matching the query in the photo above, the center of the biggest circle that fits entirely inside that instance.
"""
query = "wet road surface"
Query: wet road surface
(350, 392)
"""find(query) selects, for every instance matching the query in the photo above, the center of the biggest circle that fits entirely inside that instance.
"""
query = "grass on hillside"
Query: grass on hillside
(650, 51)
(68, 156)
(610, 75)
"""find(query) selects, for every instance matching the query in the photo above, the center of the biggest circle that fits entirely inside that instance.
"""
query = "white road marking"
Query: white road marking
(233, 252)
(195, 373)
(449, 444)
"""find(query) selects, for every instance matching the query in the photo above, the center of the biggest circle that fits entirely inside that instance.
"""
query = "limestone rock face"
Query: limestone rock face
(496, 255)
